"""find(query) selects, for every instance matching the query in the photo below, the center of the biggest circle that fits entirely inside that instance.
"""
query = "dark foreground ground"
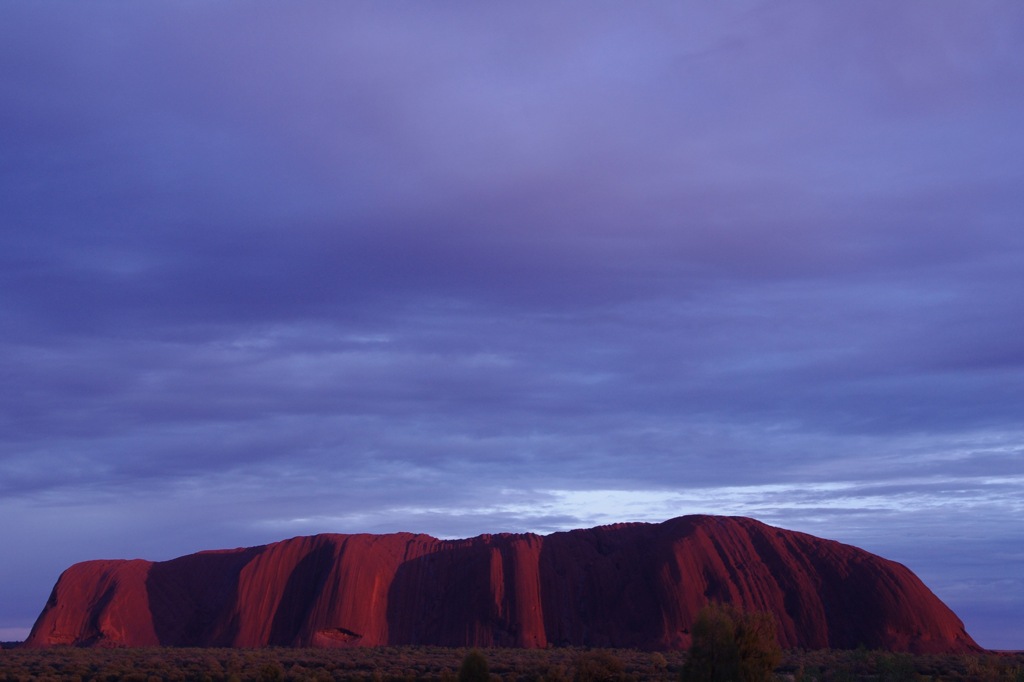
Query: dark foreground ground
(506, 665)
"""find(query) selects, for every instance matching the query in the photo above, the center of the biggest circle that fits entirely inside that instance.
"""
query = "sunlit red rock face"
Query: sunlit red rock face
(629, 585)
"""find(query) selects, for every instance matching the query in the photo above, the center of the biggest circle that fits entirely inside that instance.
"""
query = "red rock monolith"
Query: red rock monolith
(628, 585)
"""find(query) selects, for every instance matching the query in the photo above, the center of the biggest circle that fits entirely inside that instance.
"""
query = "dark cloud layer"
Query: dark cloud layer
(269, 270)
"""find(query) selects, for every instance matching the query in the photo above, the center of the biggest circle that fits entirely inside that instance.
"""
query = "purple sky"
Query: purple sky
(273, 269)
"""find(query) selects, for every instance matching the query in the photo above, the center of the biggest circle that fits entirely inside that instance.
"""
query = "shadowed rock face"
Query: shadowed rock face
(629, 585)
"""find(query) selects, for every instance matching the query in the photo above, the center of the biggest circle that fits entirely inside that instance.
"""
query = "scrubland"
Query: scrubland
(506, 665)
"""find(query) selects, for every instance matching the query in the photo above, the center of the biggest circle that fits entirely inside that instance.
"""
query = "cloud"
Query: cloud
(280, 270)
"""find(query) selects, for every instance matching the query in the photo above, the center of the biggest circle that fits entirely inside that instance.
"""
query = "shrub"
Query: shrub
(597, 666)
(732, 646)
(271, 672)
(474, 668)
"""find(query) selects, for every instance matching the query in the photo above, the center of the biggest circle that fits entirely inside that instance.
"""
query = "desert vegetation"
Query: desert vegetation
(398, 664)
(730, 645)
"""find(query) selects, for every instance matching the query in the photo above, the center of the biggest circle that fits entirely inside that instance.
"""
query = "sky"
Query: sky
(274, 269)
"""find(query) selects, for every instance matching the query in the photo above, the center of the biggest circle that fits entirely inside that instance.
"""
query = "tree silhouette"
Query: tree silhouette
(730, 645)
